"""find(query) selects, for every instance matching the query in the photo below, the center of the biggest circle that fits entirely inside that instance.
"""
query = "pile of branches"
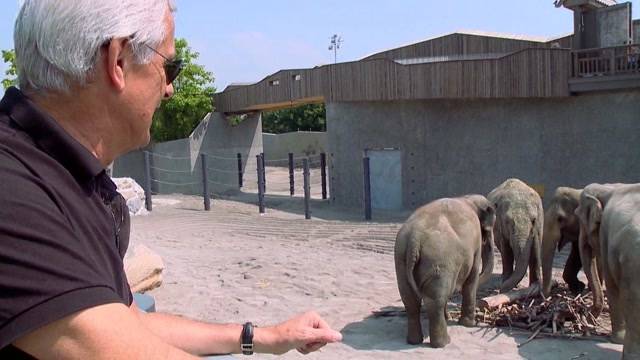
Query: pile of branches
(559, 315)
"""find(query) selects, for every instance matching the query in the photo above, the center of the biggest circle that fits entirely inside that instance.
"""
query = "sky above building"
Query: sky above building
(244, 41)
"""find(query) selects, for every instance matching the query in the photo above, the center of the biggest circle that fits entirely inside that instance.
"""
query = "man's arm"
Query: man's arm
(110, 331)
(306, 333)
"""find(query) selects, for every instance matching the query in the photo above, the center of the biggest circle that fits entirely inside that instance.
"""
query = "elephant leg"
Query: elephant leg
(438, 336)
(535, 263)
(469, 289)
(412, 304)
(571, 269)
(616, 309)
(631, 302)
(507, 261)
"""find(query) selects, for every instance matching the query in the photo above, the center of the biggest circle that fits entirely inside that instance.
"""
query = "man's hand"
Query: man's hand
(306, 333)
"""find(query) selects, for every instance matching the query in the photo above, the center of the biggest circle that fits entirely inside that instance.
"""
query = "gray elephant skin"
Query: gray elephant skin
(518, 231)
(610, 237)
(441, 249)
(562, 227)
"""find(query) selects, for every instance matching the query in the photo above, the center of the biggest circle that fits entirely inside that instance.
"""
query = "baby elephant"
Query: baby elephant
(440, 250)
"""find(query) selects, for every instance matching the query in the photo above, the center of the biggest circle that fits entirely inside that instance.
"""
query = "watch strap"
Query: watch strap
(246, 339)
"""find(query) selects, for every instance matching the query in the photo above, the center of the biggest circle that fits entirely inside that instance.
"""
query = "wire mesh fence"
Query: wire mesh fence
(225, 174)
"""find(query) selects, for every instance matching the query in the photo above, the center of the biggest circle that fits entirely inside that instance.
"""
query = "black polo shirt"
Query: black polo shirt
(64, 228)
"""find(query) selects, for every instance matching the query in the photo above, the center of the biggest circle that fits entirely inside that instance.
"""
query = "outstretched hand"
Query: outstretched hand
(306, 333)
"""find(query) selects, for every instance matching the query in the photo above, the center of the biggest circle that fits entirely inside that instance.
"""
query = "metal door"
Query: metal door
(386, 178)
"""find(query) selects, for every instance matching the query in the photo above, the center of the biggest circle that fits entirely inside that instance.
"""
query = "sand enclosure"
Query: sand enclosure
(233, 265)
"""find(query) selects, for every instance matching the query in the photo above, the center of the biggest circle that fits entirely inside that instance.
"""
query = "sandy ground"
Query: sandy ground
(233, 265)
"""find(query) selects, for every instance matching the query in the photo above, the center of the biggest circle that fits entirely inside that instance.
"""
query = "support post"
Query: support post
(307, 188)
(367, 188)
(239, 170)
(323, 174)
(291, 178)
(259, 165)
(205, 183)
(147, 181)
(264, 174)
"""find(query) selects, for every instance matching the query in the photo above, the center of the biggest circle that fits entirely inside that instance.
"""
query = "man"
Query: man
(91, 75)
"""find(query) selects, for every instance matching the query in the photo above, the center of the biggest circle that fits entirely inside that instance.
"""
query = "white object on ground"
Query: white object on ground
(133, 193)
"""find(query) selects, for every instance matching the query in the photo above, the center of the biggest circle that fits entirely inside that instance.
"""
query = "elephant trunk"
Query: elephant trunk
(487, 256)
(550, 238)
(521, 244)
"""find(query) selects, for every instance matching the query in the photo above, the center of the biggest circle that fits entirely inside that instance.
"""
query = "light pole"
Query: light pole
(335, 45)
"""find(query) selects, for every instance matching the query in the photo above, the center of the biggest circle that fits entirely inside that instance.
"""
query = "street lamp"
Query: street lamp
(335, 45)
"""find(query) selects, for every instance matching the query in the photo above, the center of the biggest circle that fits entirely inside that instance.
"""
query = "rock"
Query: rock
(143, 268)
(133, 193)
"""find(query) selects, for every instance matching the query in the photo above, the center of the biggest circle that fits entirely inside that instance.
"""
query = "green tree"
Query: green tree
(192, 100)
(310, 117)
(9, 58)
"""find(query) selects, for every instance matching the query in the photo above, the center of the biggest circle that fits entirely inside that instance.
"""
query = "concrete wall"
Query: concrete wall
(455, 147)
(300, 143)
(636, 31)
(176, 166)
(613, 25)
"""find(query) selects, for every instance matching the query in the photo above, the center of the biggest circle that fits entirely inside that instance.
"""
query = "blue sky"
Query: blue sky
(244, 41)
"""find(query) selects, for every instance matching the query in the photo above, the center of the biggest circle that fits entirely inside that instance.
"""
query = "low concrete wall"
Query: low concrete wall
(455, 147)
(300, 143)
(176, 166)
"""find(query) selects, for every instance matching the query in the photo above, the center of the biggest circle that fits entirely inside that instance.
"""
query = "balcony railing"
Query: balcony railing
(617, 60)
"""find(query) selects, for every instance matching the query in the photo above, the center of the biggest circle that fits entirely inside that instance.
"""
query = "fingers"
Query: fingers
(309, 348)
(326, 335)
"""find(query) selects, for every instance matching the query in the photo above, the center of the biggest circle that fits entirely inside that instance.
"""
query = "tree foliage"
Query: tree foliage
(192, 99)
(9, 58)
(310, 117)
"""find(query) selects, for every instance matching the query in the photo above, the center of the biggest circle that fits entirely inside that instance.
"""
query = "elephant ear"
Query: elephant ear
(590, 212)
(487, 217)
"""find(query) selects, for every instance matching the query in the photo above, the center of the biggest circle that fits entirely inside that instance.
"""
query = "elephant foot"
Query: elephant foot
(415, 339)
(439, 341)
(577, 288)
(468, 322)
(617, 337)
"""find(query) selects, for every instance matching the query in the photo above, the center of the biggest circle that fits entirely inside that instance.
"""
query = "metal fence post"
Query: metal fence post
(307, 188)
(323, 174)
(264, 175)
(147, 181)
(367, 189)
(259, 170)
(291, 184)
(239, 170)
(205, 183)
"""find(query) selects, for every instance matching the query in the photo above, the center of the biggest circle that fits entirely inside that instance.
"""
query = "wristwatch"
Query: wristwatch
(246, 340)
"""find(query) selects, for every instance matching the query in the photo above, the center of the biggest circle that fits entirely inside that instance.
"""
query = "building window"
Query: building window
(297, 77)
(274, 82)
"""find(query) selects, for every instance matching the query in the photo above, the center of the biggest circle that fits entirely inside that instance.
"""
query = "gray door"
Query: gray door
(386, 179)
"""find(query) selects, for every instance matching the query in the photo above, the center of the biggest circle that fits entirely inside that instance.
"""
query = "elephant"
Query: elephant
(440, 250)
(610, 237)
(518, 231)
(561, 227)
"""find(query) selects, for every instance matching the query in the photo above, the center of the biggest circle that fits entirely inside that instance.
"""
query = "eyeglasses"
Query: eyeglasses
(172, 68)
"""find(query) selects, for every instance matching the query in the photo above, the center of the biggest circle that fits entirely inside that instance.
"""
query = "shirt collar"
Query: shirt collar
(50, 136)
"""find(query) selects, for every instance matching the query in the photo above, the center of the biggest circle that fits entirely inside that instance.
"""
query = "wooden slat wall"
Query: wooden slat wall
(535, 72)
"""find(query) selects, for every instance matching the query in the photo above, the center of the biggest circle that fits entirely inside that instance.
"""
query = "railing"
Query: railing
(617, 60)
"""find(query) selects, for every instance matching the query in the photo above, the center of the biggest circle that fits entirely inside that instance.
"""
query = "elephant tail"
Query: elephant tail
(413, 257)
(522, 245)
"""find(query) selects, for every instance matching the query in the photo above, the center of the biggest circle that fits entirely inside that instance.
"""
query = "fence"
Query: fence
(217, 174)
(616, 60)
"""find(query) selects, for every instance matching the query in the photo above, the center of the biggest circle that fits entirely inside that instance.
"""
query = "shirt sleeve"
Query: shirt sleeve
(44, 273)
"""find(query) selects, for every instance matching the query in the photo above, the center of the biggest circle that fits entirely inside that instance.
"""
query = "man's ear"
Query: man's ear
(115, 62)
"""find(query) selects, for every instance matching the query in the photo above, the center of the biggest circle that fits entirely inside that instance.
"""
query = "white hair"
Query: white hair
(57, 42)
